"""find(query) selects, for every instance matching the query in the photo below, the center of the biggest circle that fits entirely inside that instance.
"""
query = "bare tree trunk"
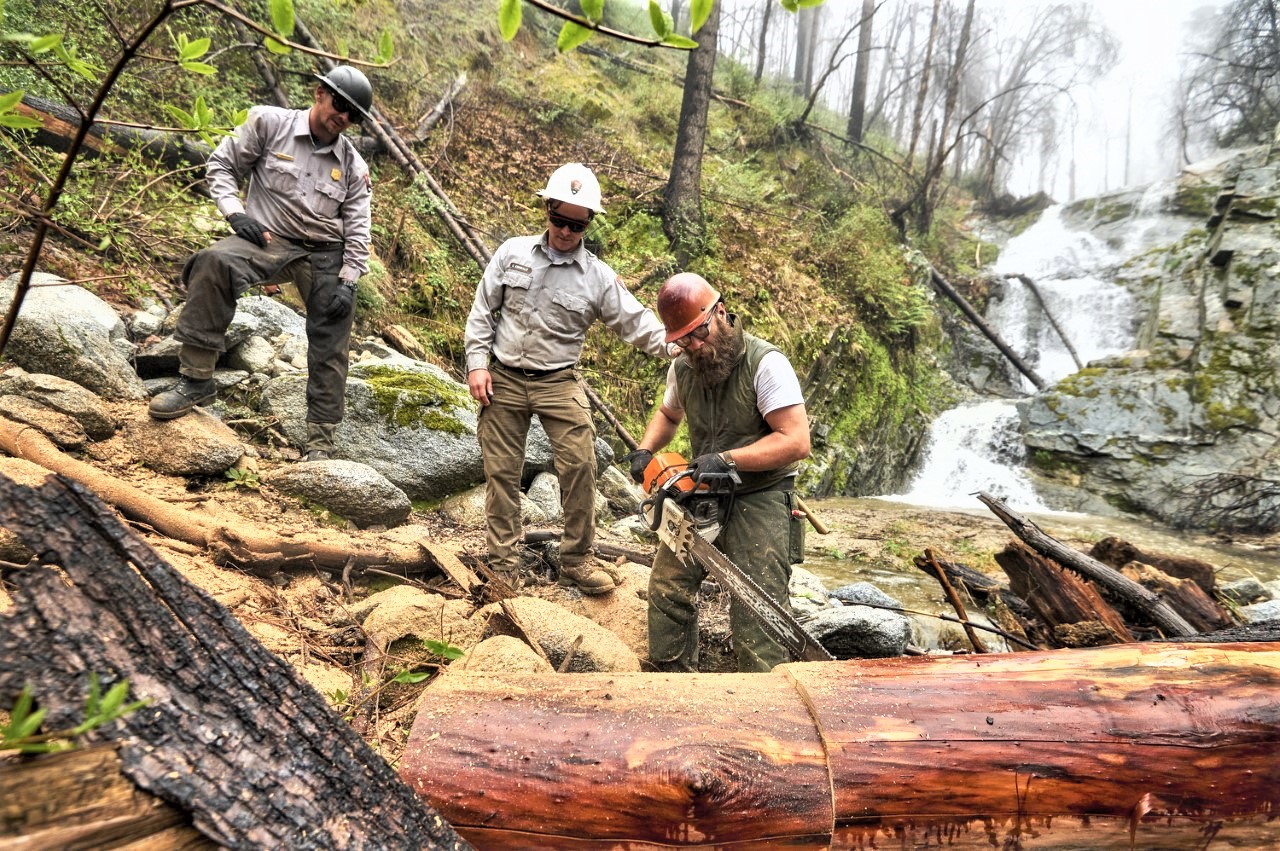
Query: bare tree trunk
(922, 93)
(802, 71)
(762, 44)
(682, 220)
(858, 101)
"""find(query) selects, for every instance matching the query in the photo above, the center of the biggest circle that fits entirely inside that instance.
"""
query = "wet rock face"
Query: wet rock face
(1185, 429)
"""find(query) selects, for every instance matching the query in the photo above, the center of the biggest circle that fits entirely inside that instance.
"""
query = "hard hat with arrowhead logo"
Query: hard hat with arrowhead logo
(574, 183)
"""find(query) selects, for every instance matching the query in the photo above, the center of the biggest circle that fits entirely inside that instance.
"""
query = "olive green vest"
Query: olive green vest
(725, 417)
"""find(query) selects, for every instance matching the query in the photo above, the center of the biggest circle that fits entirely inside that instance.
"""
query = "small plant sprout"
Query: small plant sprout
(21, 734)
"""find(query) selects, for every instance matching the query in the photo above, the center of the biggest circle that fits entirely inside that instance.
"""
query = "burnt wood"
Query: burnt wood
(233, 735)
(1061, 599)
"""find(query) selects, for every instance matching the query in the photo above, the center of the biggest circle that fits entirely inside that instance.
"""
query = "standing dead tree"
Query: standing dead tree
(232, 733)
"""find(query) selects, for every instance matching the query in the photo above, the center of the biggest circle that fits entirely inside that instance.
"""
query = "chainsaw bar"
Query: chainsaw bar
(677, 530)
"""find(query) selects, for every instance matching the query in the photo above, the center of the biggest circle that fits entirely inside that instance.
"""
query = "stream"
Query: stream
(978, 446)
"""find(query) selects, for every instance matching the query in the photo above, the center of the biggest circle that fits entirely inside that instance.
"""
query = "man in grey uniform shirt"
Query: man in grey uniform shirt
(305, 218)
(538, 297)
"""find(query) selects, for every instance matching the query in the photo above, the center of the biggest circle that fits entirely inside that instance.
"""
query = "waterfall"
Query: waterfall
(977, 446)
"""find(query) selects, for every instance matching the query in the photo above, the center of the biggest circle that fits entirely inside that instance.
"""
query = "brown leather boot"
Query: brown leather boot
(587, 577)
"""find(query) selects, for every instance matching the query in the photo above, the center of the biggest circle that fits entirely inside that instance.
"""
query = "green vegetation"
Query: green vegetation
(797, 236)
(22, 730)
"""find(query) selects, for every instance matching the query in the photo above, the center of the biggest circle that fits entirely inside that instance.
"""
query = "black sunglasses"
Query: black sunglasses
(702, 332)
(341, 104)
(559, 221)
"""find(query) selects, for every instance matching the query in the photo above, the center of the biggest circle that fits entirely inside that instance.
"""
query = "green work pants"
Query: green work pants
(757, 538)
(216, 276)
(562, 407)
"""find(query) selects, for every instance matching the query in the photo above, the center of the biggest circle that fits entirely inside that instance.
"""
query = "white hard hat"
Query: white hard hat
(574, 183)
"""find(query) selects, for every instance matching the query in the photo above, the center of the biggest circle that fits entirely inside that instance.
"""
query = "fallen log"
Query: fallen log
(1122, 588)
(1116, 553)
(255, 550)
(1100, 748)
(232, 734)
(972, 315)
(1184, 596)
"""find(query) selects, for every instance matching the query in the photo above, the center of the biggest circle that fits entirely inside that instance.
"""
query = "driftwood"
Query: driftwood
(978, 322)
(956, 604)
(255, 550)
(981, 587)
(232, 734)
(1076, 613)
(601, 548)
(1122, 589)
(1099, 748)
(1184, 596)
(1117, 553)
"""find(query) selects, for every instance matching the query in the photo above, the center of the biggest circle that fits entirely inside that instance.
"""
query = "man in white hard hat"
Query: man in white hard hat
(305, 218)
(538, 297)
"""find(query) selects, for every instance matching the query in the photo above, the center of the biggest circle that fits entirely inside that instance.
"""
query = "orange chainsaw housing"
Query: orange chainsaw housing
(662, 468)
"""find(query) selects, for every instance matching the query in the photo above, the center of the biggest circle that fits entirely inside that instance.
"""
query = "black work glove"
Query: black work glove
(639, 460)
(709, 464)
(343, 297)
(247, 227)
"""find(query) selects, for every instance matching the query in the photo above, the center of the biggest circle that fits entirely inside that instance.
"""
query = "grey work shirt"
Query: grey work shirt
(532, 313)
(296, 189)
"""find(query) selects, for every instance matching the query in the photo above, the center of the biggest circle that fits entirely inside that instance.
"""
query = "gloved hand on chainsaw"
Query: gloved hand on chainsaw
(639, 461)
(711, 464)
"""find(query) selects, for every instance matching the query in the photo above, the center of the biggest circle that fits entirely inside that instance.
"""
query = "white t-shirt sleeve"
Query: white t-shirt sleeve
(776, 386)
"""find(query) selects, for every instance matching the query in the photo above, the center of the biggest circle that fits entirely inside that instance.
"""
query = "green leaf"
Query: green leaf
(193, 49)
(19, 122)
(790, 5)
(806, 4)
(409, 677)
(659, 19)
(282, 16)
(198, 68)
(593, 9)
(45, 43)
(509, 18)
(571, 35)
(276, 47)
(679, 41)
(202, 113)
(115, 695)
(386, 47)
(183, 118)
(699, 11)
(9, 101)
(29, 725)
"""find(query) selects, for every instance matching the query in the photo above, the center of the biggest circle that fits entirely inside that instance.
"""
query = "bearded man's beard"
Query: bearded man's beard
(717, 357)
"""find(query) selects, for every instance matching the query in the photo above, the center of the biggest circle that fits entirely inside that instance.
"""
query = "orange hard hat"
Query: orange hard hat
(684, 302)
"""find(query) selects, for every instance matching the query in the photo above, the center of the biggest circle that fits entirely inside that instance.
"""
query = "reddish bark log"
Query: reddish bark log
(1068, 748)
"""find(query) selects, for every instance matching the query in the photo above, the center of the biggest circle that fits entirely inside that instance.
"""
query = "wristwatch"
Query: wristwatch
(728, 460)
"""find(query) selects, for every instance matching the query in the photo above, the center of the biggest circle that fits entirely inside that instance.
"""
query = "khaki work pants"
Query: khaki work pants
(562, 407)
(216, 276)
(757, 538)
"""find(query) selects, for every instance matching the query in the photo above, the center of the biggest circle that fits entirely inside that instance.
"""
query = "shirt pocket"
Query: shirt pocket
(515, 289)
(329, 196)
(569, 313)
(280, 176)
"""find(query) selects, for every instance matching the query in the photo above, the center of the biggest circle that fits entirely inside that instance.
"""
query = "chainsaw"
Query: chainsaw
(686, 510)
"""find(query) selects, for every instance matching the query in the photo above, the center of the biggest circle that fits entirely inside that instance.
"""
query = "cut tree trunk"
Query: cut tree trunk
(1129, 746)
(1073, 610)
(231, 734)
(1122, 589)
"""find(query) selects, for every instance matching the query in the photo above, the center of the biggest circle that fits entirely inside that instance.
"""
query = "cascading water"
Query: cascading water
(977, 446)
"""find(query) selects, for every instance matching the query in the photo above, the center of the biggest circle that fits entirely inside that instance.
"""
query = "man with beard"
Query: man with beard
(538, 297)
(745, 410)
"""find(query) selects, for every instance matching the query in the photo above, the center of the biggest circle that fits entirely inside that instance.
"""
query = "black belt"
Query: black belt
(528, 373)
(313, 245)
